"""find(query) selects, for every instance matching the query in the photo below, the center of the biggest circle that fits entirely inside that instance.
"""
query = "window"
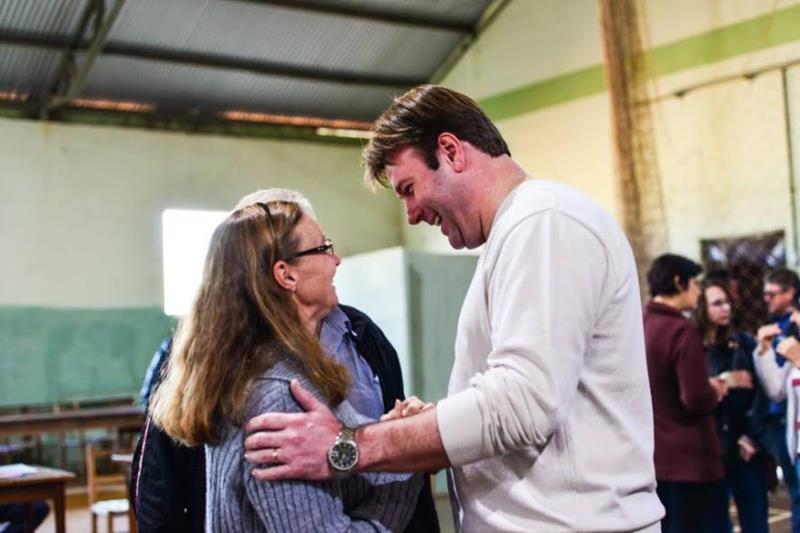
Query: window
(186, 234)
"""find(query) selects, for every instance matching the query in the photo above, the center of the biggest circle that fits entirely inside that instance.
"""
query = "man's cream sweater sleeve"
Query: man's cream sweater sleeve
(544, 286)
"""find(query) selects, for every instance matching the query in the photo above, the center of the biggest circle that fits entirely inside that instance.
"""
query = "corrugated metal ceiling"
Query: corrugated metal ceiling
(321, 58)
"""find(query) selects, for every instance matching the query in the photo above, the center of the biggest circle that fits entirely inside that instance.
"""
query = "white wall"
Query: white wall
(80, 206)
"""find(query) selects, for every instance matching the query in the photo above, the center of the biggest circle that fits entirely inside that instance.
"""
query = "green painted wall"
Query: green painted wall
(436, 287)
(61, 355)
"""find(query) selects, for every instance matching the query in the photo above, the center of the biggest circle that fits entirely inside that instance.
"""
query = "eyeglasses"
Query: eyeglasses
(772, 294)
(326, 248)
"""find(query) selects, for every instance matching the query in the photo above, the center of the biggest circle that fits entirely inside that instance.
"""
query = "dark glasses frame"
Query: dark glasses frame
(326, 248)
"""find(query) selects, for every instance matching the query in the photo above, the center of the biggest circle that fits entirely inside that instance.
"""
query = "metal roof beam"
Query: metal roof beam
(373, 13)
(67, 68)
(75, 81)
(199, 59)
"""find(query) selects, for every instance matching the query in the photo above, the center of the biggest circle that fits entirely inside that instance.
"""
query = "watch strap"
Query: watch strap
(346, 433)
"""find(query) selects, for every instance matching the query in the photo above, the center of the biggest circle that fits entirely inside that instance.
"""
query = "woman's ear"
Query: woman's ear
(284, 275)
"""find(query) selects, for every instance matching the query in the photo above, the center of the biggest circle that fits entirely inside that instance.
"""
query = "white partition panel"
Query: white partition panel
(377, 283)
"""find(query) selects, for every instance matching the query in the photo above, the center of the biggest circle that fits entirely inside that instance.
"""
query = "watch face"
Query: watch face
(343, 455)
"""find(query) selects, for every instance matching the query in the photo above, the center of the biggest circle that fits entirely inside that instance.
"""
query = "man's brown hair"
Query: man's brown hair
(418, 118)
(784, 277)
(787, 279)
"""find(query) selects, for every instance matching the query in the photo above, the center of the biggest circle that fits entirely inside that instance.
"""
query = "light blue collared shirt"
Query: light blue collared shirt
(336, 337)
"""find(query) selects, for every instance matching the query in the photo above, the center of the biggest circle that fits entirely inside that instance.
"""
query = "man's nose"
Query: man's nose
(414, 213)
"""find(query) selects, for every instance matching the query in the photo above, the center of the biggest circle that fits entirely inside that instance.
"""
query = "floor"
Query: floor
(78, 519)
(779, 515)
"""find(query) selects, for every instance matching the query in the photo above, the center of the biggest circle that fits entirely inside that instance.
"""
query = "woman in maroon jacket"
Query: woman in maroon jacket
(687, 454)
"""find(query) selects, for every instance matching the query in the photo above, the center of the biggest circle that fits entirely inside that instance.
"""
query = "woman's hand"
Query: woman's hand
(765, 336)
(737, 379)
(747, 448)
(720, 387)
(408, 407)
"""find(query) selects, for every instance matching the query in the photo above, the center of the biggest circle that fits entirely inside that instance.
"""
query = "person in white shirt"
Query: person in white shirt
(548, 423)
(782, 382)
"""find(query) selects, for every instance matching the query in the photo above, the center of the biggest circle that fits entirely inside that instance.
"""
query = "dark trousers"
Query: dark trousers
(691, 507)
(748, 484)
(23, 517)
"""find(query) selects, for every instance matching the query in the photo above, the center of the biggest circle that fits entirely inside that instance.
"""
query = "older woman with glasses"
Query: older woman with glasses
(254, 330)
(740, 416)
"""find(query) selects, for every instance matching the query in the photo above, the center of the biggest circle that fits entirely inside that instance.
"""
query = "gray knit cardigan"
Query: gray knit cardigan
(237, 502)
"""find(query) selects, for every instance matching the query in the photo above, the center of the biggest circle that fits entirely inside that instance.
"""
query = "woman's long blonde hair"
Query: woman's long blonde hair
(241, 323)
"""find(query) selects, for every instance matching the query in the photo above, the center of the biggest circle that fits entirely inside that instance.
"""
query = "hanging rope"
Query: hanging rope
(638, 180)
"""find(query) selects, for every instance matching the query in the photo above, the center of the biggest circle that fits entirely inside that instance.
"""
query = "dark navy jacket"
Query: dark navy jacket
(168, 479)
(742, 411)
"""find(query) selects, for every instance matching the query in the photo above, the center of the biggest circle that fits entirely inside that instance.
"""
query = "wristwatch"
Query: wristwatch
(343, 455)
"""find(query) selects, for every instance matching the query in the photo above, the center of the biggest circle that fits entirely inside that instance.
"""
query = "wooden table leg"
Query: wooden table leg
(132, 527)
(59, 508)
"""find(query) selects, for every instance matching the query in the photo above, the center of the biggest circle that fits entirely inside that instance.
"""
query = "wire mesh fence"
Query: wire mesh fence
(747, 259)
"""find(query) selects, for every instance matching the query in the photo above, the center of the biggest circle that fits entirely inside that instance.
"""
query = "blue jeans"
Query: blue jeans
(775, 440)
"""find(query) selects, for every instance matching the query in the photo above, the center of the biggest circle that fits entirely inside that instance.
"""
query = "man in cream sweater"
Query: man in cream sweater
(548, 422)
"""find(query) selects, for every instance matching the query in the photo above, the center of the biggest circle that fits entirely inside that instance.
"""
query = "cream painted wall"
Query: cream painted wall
(793, 112)
(538, 40)
(724, 173)
(670, 20)
(80, 206)
(568, 143)
(530, 42)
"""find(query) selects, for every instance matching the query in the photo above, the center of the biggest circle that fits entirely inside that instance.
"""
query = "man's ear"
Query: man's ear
(677, 281)
(450, 150)
(284, 275)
